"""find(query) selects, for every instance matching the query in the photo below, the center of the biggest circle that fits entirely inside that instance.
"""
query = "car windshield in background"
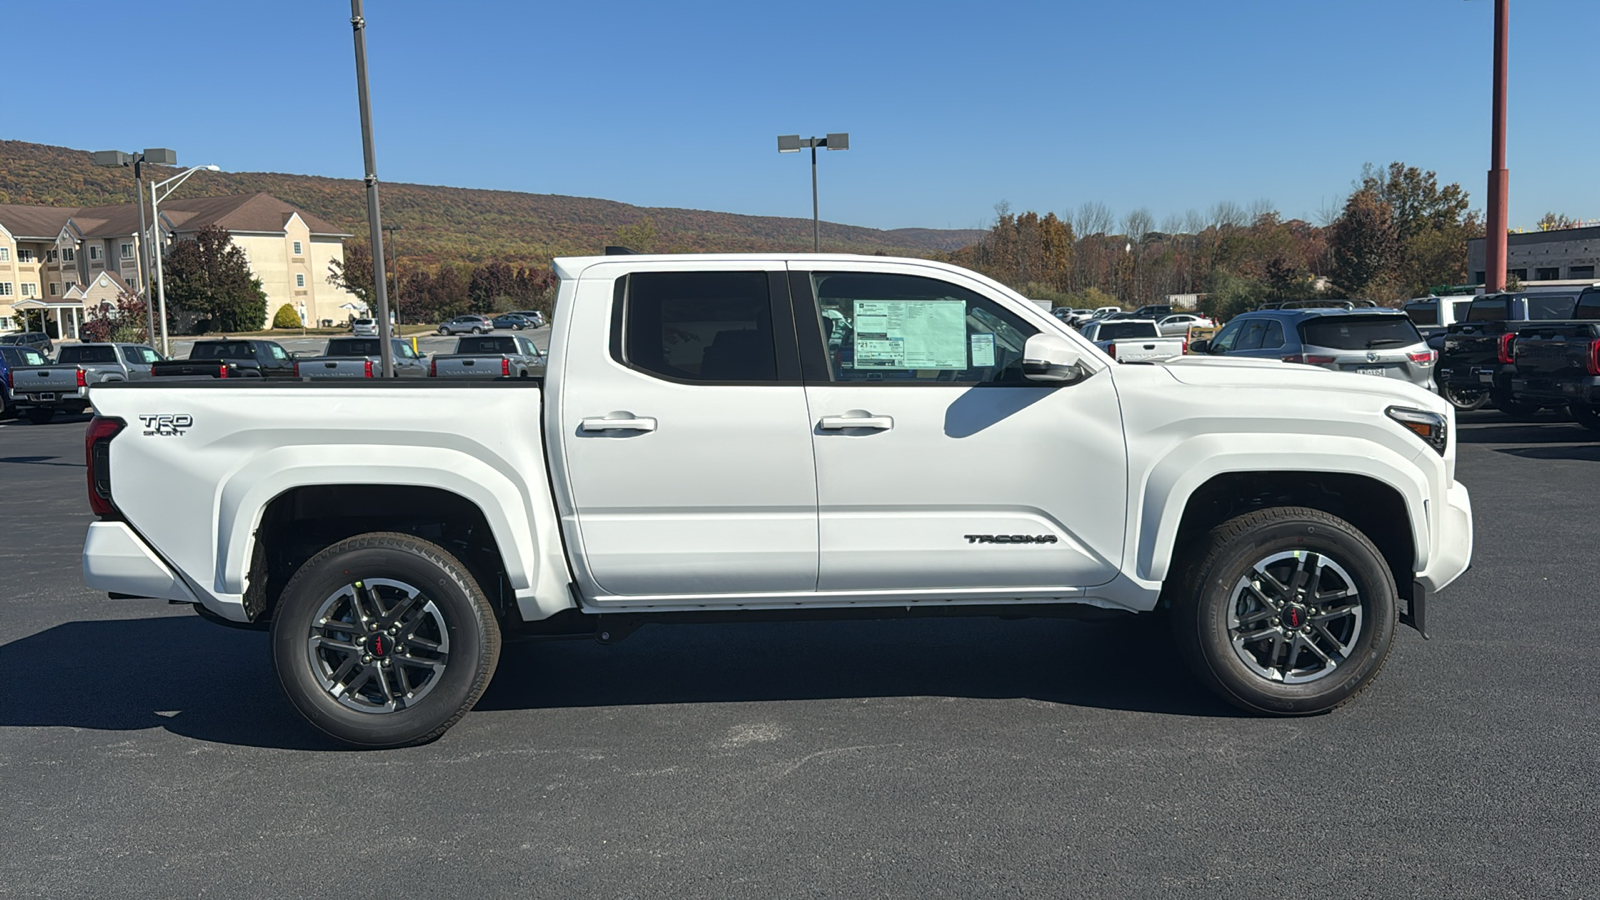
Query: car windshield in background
(354, 347)
(71, 356)
(1117, 331)
(222, 350)
(488, 345)
(1359, 332)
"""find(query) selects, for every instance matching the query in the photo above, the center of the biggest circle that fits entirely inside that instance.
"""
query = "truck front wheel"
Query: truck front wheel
(1287, 611)
(384, 640)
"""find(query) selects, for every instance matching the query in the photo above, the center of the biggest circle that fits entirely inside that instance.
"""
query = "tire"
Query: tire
(1217, 604)
(41, 415)
(443, 330)
(1516, 409)
(1462, 399)
(1586, 415)
(348, 694)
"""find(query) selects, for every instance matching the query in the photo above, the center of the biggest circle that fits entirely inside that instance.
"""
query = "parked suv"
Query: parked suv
(38, 340)
(1379, 342)
(467, 325)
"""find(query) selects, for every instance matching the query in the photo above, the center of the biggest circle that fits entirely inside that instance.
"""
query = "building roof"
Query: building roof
(248, 212)
(1556, 236)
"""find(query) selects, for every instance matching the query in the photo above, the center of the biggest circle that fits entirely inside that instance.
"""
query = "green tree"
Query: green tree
(209, 278)
(639, 237)
(1366, 248)
(286, 317)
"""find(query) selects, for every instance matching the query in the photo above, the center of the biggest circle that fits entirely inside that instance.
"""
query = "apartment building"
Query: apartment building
(46, 251)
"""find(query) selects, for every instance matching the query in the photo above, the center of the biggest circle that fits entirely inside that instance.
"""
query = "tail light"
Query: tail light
(433, 368)
(505, 368)
(82, 381)
(297, 368)
(1503, 355)
(222, 371)
(1422, 358)
(1309, 359)
(1594, 357)
(369, 368)
(152, 371)
(97, 459)
(1185, 351)
(1111, 350)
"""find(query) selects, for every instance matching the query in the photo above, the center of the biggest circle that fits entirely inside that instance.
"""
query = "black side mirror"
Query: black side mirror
(1200, 347)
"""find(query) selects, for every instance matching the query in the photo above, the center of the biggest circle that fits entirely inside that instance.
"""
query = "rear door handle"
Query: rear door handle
(630, 423)
(847, 422)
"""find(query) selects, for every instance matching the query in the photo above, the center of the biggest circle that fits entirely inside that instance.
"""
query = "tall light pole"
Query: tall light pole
(156, 196)
(792, 143)
(394, 264)
(157, 156)
(1494, 245)
(358, 25)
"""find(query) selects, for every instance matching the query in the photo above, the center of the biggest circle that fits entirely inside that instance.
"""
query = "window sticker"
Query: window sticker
(982, 350)
(910, 334)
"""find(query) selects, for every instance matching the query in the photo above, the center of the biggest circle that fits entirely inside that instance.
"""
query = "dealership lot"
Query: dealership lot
(144, 751)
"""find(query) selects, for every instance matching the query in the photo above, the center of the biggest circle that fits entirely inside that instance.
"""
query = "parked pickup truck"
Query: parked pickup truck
(229, 358)
(496, 356)
(1559, 362)
(1134, 340)
(1475, 359)
(13, 357)
(700, 451)
(41, 391)
(361, 357)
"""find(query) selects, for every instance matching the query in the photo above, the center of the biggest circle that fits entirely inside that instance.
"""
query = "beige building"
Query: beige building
(45, 252)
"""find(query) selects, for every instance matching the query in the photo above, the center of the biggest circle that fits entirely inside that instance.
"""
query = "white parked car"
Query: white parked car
(702, 448)
(364, 328)
(1178, 324)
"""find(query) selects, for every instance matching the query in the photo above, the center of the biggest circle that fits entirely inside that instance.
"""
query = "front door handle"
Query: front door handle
(618, 423)
(856, 419)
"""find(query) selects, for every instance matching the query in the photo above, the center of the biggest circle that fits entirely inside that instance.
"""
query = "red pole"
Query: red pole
(1499, 177)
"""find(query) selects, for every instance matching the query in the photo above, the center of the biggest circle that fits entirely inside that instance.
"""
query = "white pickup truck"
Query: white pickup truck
(735, 438)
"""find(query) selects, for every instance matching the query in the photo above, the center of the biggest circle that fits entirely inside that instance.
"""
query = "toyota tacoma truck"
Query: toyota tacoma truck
(730, 438)
(229, 358)
(1134, 340)
(1476, 359)
(489, 356)
(361, 357)
(40, 391)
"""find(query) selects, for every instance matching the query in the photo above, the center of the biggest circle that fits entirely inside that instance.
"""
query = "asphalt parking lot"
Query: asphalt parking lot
(145, 752)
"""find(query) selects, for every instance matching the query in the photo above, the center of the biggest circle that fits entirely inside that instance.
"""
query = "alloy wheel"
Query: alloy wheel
(1295, 617)
(378, 645)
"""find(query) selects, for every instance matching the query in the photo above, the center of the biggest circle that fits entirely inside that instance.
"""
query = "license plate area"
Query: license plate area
(45, 398)
(1379, 371)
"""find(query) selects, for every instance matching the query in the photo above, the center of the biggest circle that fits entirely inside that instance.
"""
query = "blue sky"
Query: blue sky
(951, 107)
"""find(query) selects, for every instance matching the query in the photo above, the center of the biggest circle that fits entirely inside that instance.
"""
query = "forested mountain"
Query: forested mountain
(445, 224)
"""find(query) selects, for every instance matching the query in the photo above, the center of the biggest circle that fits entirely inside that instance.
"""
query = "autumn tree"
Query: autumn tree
(1365, 245)
(354, 272)
(208, 278)
(1431, 225)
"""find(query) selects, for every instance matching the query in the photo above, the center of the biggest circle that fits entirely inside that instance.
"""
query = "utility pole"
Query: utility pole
(1494, 246)
(374, 219)
(394, 264)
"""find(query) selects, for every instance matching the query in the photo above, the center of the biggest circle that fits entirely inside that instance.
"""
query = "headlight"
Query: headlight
(1430, 426)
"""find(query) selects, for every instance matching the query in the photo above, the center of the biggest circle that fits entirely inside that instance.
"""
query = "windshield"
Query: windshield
(1359, 332)
(1116, 331)
(75, 354)
(353, 347)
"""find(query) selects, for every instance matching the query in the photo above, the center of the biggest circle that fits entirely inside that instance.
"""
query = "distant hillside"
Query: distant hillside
(462, 224)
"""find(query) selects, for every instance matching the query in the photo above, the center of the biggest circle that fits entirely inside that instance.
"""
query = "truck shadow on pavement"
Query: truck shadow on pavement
(1552, 432)
(212, 683)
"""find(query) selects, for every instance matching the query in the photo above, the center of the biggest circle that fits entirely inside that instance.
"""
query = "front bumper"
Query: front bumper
(1452, 540)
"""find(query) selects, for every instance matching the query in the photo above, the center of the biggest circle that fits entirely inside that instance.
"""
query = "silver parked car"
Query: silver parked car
(1365, 341)
(471, 324)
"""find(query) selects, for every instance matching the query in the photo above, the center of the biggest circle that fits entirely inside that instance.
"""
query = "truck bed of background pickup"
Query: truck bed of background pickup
(229, 358)
(490, 356)
(360, 357)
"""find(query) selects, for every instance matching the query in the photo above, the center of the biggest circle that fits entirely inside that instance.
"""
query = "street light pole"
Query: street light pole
(791, 143)
(156, 156)
(394, 264)
(1494, 246)
(358, 25)
(155, 216)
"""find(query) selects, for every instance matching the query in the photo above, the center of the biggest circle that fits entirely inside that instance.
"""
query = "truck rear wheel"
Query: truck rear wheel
(384, 640)
(1586, 415)
(1287, 611)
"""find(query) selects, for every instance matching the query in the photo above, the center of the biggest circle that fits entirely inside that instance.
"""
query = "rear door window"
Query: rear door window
(1588, 306)
(1489, 309)
(699, 327)
(1250, 335)
(1359, 332)
(1544, 308)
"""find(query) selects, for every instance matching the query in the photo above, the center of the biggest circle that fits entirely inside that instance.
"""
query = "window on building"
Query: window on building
(1580, 271)
(299, 280)
(55, 288)
(1479, 277)
(1547, 274)
(69, 255)
(24, 255)
(297, 250)
(5, 254)
(29, 289)
(50, 256)
(69, 283)
(1518, 274)
(5, 288)
(94, 251)
(127, 251)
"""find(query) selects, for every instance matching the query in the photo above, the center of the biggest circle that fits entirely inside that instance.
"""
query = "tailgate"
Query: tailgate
(469, 366)
(1548, 350)
(1142, 350)
(352, 367)
(45, 379)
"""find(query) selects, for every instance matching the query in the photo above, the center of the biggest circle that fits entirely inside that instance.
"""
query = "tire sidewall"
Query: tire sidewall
(1351, 552)
(340, 566)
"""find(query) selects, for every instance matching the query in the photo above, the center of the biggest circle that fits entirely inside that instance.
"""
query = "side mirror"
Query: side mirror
(1200, 347)
(1050, 358)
